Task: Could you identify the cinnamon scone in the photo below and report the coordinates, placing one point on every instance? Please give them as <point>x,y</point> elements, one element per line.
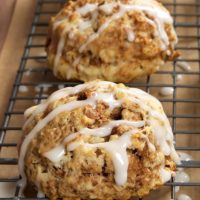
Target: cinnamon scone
<point>97,140</point>
<point>115,40</point>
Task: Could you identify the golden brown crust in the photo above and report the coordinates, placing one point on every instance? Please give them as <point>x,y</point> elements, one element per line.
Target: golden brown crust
<point>111,56</point>
<point>88,173</point>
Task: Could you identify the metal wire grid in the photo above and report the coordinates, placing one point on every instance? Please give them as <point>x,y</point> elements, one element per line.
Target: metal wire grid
<point>34,74</point>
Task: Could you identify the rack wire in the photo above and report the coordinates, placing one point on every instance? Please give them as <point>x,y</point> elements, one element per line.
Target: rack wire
<point>34,81</point>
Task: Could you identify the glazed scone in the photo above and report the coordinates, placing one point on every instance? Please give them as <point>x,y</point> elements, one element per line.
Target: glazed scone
<point>110,40</point>
<point>98,140</point>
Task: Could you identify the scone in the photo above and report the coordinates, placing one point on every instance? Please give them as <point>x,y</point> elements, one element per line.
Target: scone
<point>114,40</point>
<point>98,140</point>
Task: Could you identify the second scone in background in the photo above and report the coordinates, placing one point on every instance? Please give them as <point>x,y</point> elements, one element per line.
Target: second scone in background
<point>111,40</point>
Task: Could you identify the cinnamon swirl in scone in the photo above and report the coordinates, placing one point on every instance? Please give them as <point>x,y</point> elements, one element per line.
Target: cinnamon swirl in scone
<point>98,140</point>
<point>115,40</point>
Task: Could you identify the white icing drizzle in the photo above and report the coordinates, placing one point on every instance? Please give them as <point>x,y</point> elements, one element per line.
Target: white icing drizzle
<point>177,189</point>
<point>73,105</point>
<point>165,174</point>
<point>61,94</point>
<point>100,30</point>
<point>166,91</point>
<point>117,150</point>
<point>63,108</point>
<point>40,193</point>
<point>37,98</point>
<point>87,8</point>
<point>21,183</point>
<point>58,23</point>
<point>156,34</point>
<point>27,73</point>
<point>109,99</point>
<point>184,156</point>
<point>183,197</point>
<point>84,25</point>
<point>179,77</point>
<point>45,87</point>
<point>160,17</point>
<point>183,65</point>
<point>23,88</point>
<point>42,124</point>
<point>71,35</point>
<point>56,154</point>
<point>106,130</point>
<point>157,120</point>
<point>162,131</point>
<point>182,177</point>
<point>60,47</point>
<point>168,52</point>
<point>74,145</point>
<point>107,8</point>
<point>29,111</point>
<point>149,144</point>
<point>130,35</point>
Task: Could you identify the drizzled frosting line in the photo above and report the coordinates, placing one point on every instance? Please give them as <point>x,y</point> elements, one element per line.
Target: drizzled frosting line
<point>156,119</point>
<point>157,17</point>
<point>63,108</point>
<point>55,154</point>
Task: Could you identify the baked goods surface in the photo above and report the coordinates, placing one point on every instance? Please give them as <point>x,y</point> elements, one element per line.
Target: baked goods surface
<point>97,140</point>
<point>110,40</point>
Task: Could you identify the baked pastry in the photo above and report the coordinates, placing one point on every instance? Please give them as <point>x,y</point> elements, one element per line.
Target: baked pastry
<point>98,140</point>
<point>110,40</point>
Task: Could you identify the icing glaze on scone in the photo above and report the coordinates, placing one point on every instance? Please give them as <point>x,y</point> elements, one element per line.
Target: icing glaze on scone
<point>150,116</point>
<point>111,40</point>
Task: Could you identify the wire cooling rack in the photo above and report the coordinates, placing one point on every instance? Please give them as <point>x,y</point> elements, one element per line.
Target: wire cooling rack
<point>34,81</point>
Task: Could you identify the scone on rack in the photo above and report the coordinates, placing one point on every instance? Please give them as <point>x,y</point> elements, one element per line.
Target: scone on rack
<point>115,40</point>
<point>97,140</point>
